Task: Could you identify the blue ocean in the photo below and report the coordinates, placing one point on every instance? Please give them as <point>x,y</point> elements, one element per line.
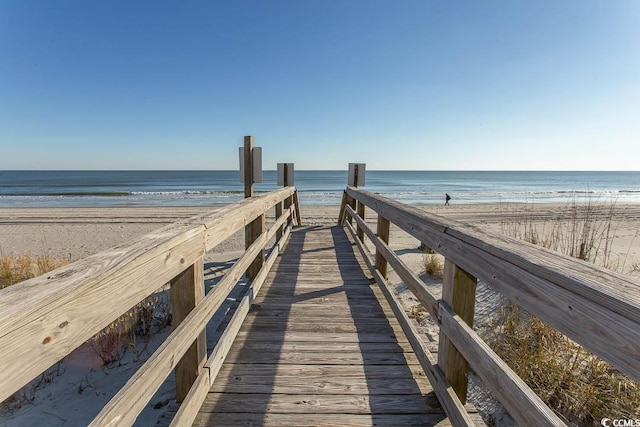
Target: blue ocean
<point>201,188</point>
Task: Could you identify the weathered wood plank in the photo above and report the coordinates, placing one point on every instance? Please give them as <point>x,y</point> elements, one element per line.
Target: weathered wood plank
<point>325,420</point>
<point>301,370</point>
<point>321,404</point>
<point>336,324</point>
<point>328,347</point>
<point>322,337</point>
<point>312,312</point>
<point>316,358</point>
<point>319,385</point>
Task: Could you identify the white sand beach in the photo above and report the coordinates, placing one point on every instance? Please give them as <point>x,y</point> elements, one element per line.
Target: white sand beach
<point>75,233</point>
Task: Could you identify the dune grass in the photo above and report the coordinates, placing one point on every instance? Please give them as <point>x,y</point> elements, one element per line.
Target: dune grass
<point>17,268</point>
<point>433,265</point>
<point>579,386</point>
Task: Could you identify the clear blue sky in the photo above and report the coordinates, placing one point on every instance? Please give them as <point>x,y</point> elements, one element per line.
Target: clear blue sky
<point>549,85</point>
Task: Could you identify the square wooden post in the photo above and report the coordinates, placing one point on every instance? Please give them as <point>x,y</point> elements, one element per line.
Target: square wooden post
<point>383,234</point>
<point>343,206</point>
<point>280,229</point>
<point>351,202</point>
<point>361,215</point>
<point>296,202</point>
<point>285,204</point>
<point>187,289</point>
<point>257,226</point>
<point>459,292</point>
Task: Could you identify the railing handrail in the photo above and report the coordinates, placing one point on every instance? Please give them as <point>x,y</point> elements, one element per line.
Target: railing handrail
<point>596,308</point>
<point>44,319</point>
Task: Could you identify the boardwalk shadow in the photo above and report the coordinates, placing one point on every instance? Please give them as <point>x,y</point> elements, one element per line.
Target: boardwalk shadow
<point>249,374</point>
<point>317,348</point>
<point>395,397</point>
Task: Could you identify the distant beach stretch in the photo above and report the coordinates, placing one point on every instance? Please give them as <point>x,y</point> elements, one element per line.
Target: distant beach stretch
<point>206,188</point>
<point>79,232</point>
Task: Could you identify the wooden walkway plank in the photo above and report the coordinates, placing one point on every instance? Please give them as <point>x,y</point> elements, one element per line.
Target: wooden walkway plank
<point>320,346</point>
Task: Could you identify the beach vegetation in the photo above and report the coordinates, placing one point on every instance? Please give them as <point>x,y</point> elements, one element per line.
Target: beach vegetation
<point>433,265</point>
<point>576,384</point>
<point>18,268</point>
<point>132,331</point>
<point>581,230</point>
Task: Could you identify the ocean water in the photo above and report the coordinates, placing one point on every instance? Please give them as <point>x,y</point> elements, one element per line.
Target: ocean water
<point>201,188</point>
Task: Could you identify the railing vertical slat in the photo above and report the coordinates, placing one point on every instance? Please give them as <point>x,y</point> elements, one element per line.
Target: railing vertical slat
<point>298,213</point>
<point>383,234</point>
<point>351,202</point>
<point>187,289</point>
<point>256,227</point>
<point>361,215</point>
<point>343,205</point>
<point>459,292</point>
<point>278,215</point>
<point>254,230</point>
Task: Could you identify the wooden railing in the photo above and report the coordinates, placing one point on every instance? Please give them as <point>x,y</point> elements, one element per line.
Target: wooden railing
<point>43,319</point>
<point>592,306</point>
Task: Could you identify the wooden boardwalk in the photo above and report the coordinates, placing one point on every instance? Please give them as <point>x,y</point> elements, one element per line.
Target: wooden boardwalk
<point>321,347</point>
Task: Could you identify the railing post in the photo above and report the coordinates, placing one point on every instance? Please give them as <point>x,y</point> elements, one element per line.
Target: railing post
<point>256,227</point>
<point>361,215</point>
<point>285,178</point>
<point>351,202</point>
<point>383,234</point>
<point>296,202</point>
<point>280,230</point>
<point>343,206</point>
<point>459,292</point>
<point>355,178</point>
<point>187,289</point>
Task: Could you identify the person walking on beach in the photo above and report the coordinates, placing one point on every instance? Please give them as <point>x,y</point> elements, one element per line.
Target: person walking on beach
<point>447,197</point>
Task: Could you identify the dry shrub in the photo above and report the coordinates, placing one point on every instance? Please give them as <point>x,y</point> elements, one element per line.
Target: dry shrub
<point>133,330</point>
<point>418,312</point>
<point>17,268</point>
<point>582,230</point>
<point>575,383</point>
<point>433,265</point>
